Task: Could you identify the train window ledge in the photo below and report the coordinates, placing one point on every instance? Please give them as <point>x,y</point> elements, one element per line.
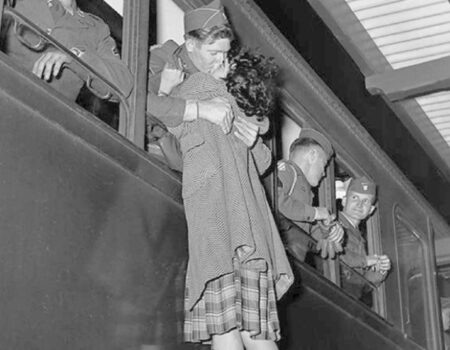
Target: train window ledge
<point>95,83</point>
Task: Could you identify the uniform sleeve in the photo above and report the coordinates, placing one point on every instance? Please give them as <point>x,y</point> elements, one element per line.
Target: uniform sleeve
<point>106,60</point>
<point>262,156</point>
<point>293,208</point>
<point>169,110</point>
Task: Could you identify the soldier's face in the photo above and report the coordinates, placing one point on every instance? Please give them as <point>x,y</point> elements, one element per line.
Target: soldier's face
<point>208,57</point>
<point>318,160</point>
<point>358,206</point>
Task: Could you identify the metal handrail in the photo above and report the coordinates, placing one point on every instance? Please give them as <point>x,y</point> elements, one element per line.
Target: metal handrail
<point>21,23</point>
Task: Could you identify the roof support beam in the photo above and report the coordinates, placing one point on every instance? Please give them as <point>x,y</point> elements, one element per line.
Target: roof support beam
<point>421,79</point>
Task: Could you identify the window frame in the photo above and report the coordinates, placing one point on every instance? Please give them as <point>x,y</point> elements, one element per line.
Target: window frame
<point>327,197</point>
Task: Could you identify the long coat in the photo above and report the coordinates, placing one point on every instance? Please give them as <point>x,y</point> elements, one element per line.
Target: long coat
<point>225,202</point>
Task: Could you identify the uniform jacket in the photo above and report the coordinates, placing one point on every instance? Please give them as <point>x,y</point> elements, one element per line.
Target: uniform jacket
<point>297,213</point>
<point>355,256</point>
<point>83,33</point>
<point>225,202</point>
<point>294,195</point>
<point>170,110</point>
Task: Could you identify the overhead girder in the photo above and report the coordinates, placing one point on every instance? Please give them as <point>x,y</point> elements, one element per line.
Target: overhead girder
<point>413,81</point>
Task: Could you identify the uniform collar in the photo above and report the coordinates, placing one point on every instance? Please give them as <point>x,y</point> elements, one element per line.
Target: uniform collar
<point>347,223</point>
<point>346,220</point>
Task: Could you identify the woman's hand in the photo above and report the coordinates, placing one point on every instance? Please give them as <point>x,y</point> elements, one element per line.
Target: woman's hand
<point>245,131</point>
<point>170,77</point>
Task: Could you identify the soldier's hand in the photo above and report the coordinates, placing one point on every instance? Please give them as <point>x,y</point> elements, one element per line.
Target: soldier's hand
<point>384,264</point>
<point>336,233</point>
<point>50,64</point>
<point>170,77</point>
<point>328,248</point>
<point>245,131</point>
<point>322,213</point>
<point>371,261</point>
<point>218,111</point>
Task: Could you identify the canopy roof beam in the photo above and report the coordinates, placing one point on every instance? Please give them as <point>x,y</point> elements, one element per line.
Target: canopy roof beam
<point>421,79</point>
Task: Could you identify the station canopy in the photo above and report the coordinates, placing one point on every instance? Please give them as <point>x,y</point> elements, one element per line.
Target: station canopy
<point>403,49</point>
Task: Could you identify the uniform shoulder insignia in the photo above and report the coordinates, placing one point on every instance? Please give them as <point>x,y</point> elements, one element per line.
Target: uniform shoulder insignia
<point>91,15</point>
<point>115,51</point>
<point>281,165</point>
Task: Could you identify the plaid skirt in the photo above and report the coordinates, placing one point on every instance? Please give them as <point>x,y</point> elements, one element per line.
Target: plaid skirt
<point>244,300</point>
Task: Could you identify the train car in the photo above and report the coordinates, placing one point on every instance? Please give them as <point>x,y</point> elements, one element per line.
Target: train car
<point>94,243</point>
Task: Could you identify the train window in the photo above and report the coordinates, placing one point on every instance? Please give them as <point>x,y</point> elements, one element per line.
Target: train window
<point>298,241</point>
<point>26,43</point>
<point>361,283</point>
<point>444,294</point>
<point>413,286</point>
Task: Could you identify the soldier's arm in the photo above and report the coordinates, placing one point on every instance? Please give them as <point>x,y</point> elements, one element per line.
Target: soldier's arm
<point>293,208</point>
<point>169,110</point>
<point>105,60</point>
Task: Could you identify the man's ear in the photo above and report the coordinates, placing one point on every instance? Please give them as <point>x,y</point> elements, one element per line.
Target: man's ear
<point>190,44</point>
<point>372,209</point>
<point>344,201</point>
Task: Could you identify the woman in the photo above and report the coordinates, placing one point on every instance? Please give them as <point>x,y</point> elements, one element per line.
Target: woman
<point>237,264</point>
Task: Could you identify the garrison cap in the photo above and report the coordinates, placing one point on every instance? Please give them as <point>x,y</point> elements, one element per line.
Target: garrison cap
<point>205,17</point>
<point>362,185</point>
<point>319,138</point>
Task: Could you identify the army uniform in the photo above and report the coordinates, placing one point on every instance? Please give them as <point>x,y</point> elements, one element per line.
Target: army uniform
<point>296,211</point>
<point>84,34</point>
<point>170,110</point>
<point>355,256</point>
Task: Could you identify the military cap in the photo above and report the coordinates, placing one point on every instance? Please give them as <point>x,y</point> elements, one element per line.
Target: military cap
<point>205,17</point>
<point>362,185</point>
<point>319,138</point>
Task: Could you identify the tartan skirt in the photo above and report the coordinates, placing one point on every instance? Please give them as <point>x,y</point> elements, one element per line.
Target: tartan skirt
<point>244,300</point>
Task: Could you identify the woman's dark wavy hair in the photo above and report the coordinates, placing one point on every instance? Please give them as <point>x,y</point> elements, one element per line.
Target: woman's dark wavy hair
<point>253,82</point>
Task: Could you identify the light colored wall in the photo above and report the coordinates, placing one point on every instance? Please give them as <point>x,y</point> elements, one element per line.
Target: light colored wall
<point>169,22</point>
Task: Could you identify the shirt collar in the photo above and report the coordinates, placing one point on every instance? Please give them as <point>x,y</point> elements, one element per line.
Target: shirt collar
<point>348,220</point>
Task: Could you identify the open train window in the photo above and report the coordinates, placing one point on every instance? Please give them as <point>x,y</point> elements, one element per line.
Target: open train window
<point>412,271</point>
<point>361,283</point>
<point>444,295</point>
<point>21,37</point>
<point>289,129</point>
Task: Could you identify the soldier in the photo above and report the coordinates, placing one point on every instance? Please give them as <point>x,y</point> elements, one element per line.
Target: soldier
<point>358,205</point>
<point>193,56</point>
<point>84,34</point>
<point>208,38</point>
<point>308,159</point>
